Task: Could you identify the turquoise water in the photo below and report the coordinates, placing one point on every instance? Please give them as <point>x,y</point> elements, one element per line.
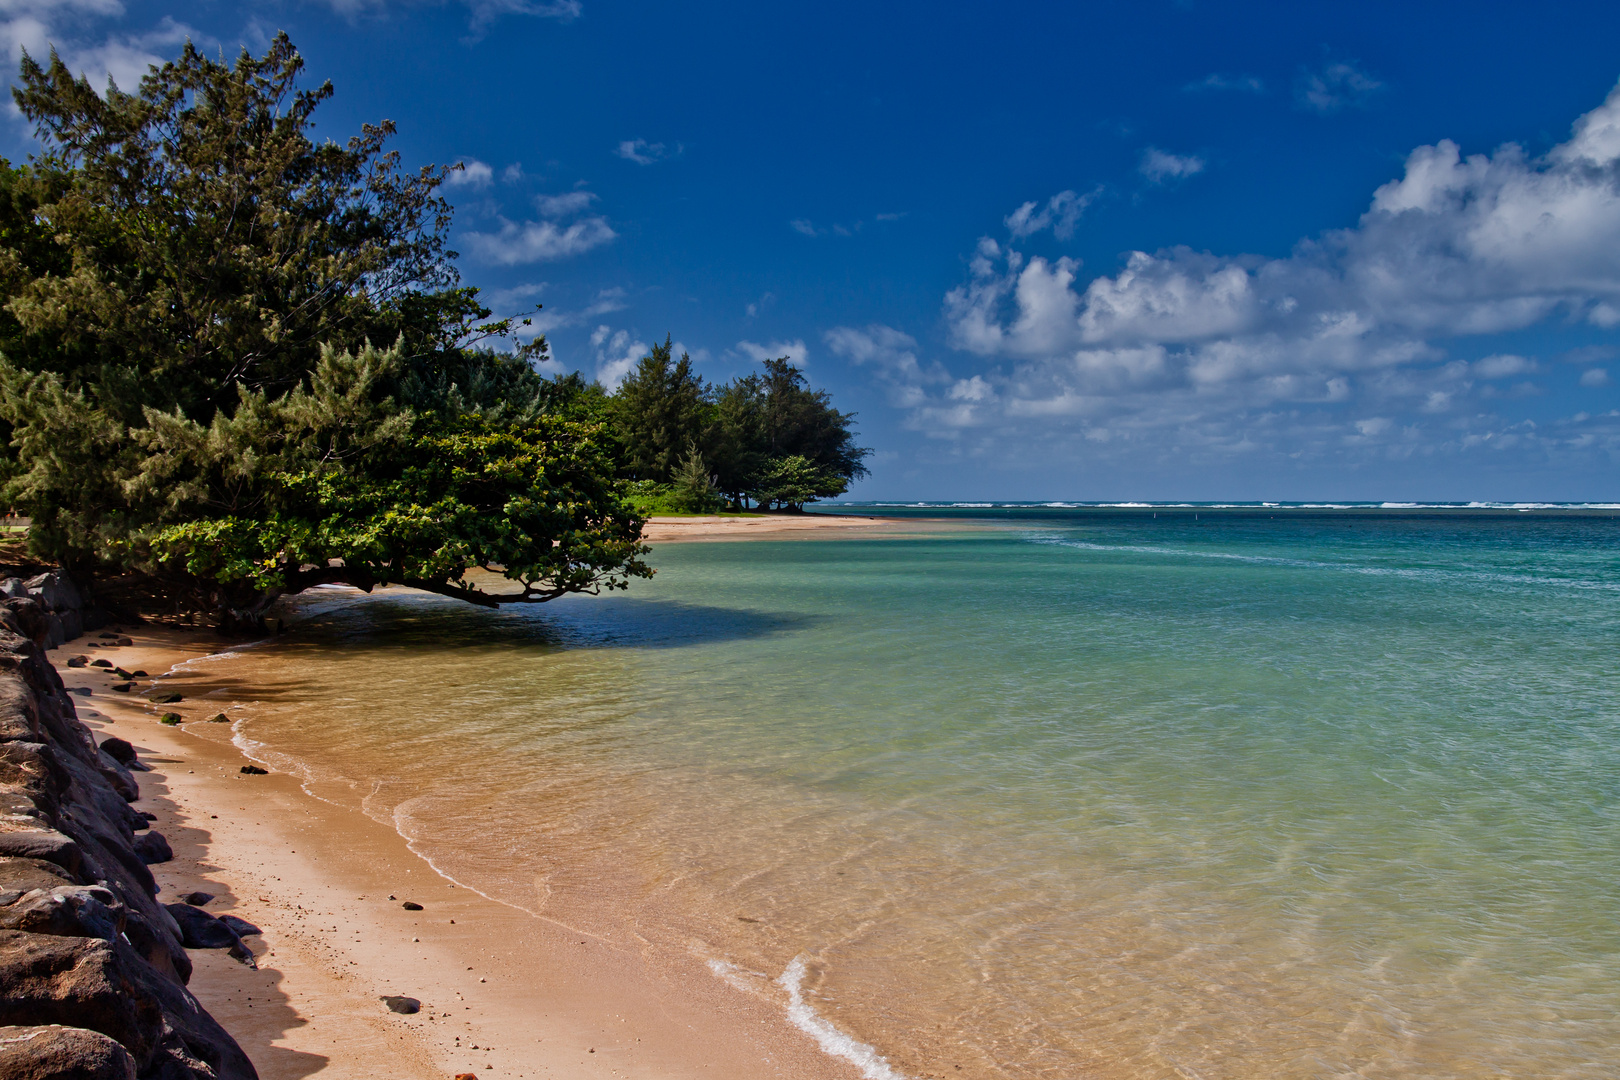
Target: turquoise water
<point>1083,793</point>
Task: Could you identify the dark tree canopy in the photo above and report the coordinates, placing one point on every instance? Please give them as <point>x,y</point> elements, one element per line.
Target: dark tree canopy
<point>765,436</point>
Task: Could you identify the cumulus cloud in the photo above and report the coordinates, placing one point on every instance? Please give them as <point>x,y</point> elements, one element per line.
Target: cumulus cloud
<point>1238,352</point>
<point>794,350</point>
<point>616,354</point>
<point>516,243</point>
<point>472,174</point>
<point>37,26</point>
<point>1161,167</point>
<point>565,205</point>
<point>1595,377</point>
<point>1247,84</point>
<point>1334,87</point>
<point>643,152</point>
<point>1060,214</point>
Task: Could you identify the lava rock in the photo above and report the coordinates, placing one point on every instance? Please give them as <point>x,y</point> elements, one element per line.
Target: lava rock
<point>219,718</point>
<point>401,1004</point>
<point>201,930</point>
<point>197,899</point>
<point>153,848</point>
<point>165,699</point>
<point>410,905</point>
<point>119,750</point>
<point>82,981</point>
<point>53,1052</point>
<point>46,844</point>
<point>125,641</point>
<point>123,687</point>
<point>170,718</point>
<point>78,661</point>
<point>101,662</point>
<point>254,770</point>
<point>66,911</point>
<point>241,926</point>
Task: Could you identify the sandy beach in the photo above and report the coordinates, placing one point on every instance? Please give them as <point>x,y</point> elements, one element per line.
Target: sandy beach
<point>817,526</point>
<point>502,992</point>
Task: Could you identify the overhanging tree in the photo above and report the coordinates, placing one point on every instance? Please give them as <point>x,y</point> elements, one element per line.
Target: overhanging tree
<point>173,265</point>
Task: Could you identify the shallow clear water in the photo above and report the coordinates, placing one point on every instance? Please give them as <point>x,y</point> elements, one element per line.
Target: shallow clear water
<point>1090,793</point>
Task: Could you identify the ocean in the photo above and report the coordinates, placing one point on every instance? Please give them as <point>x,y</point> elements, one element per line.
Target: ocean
<point>1071,791</point>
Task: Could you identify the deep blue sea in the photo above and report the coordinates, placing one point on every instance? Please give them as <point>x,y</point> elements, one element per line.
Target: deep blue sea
<point>1045,791</point>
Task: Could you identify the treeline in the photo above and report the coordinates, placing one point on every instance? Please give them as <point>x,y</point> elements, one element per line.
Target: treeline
<point>690,446</point>
<point>242,363</point>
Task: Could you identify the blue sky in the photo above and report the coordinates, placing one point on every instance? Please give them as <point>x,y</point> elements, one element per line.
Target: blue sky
<point>1091,251</point>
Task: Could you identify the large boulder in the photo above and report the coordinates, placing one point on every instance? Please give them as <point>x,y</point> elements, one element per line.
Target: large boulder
<point>53,1052</point>
<point>81,982</point>
<point>55,591</point>
<point>153,848</point>
<point>66,911</point>
<point>46,844</point>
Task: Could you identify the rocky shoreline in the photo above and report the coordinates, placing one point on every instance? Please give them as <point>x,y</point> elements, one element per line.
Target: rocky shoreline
<point>93,968</point>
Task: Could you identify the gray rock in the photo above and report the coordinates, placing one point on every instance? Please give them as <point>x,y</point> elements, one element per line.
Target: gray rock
<point>55,591</point>
<point>53,1052</point>
<point>13,588</point>
<point>153,848</point>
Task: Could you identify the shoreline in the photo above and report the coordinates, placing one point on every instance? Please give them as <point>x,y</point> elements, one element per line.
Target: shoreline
<point>503,992</point>
<point>809,526</point>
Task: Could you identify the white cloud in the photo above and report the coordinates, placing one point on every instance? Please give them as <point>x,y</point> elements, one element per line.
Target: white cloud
<point>1161,167</point>
<point>481,13</point>
<point>566,205</point>
<point>472,174</point>
<point>1501,366</point>
<point>1060,214</point>
<point>1336,86</point>
<point>794,350</point>
<point>606,302</point>
<point>39,25</point>
<point>1595,377</point>
<point>538,241</point>
<point>1247,84</point>
<point>801,225</point>
<point>642,152</point>
<point>616,354</point>
<point>1231,352</point>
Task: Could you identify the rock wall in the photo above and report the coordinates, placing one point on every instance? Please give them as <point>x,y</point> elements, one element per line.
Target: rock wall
<point>92,968</point>
<point>67,613</point>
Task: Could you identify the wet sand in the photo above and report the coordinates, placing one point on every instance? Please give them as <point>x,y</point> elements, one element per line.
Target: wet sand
<point>503,993</point>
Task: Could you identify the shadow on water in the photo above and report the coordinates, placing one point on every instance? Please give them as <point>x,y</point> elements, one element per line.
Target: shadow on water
<point>333,619</point>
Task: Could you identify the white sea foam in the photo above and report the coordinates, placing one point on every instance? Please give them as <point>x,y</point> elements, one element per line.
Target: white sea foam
<point>832,1041</point>
<point>829,1038</point>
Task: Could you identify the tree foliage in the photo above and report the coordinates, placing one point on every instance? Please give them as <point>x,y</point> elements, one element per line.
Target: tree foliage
<point>765,436</point>
<point>190,286</point>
